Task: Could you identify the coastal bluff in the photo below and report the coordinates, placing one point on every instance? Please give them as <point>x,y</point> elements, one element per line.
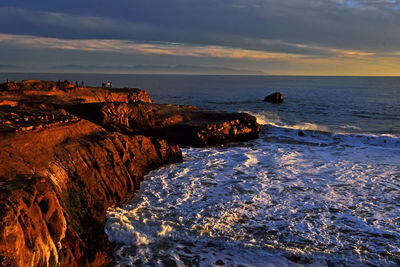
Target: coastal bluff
<point>185,126</point>
<point>68,153</point>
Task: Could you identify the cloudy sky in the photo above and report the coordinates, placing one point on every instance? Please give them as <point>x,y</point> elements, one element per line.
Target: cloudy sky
<point>290,37</point>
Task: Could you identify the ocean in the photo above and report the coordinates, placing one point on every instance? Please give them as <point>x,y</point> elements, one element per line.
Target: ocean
<point>319,187</point>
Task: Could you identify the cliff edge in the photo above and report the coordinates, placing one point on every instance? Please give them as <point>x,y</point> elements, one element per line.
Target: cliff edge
<point>68,153</point>
<point>56,184</point>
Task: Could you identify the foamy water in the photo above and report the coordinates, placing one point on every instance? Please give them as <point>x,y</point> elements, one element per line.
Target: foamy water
<point>285,199</point>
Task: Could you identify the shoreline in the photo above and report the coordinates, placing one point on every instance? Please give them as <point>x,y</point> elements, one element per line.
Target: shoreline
<point>64,171</point>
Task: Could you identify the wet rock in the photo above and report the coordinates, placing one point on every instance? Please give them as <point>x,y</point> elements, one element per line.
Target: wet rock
<point>274,98</point>
<point>301,133</point>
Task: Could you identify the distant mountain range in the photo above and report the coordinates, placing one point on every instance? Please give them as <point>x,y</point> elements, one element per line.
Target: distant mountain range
<point>140,69</point>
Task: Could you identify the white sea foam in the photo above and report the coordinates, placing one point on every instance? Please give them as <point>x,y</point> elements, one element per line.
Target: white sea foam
<point>283,199</point>
<point>310,127</point>
<point>368,141</point>
<point>266,117</point>
<point>352,127</point>
<point>271,118</point>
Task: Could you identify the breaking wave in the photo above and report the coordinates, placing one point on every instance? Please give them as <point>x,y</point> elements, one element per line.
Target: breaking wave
<point>285,199</point>
<point>321,135</point>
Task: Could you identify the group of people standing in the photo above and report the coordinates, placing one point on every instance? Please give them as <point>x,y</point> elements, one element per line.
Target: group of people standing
<point>103,85</point>
<point>82,84</point>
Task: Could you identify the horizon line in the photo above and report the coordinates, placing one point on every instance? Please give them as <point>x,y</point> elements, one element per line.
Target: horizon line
<point>201,74</point>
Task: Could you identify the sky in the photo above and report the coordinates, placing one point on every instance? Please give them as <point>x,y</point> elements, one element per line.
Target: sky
<point>260,37</point>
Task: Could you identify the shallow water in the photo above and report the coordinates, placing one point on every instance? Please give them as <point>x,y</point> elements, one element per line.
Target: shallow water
<point>283,199</point>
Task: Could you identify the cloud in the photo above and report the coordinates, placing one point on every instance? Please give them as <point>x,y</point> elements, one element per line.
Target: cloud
<point>341,24</point>
<point>174,69</point>
<point>122,46</point>
<point>297,36</point>
<point>171,49</point>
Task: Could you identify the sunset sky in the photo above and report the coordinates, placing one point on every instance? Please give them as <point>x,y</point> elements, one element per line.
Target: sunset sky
<point>276,37</point>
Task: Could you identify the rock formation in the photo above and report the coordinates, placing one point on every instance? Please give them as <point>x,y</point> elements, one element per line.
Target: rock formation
<point>274,98</point>
<point>181,125</point>
<point>61,169</point>
<point>64,92</point>
<point>56,183</point>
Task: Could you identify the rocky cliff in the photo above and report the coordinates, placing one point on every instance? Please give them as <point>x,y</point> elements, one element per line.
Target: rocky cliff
<point>35,91</point>
<point>182,125</point>
<point>56,184</point>
<point>60,169</point>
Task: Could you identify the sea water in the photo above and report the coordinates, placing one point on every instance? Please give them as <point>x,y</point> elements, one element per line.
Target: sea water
<point>320,187</point>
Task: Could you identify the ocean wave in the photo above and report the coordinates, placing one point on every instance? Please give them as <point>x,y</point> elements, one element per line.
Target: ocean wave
<point>352,127</point>
<point>320,138</point>
<point>264,203</point>
<point>266,117</point>
<point>312,133</point>
<point>272,118</point>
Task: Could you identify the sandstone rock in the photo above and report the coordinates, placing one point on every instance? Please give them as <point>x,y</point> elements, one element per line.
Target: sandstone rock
<point>58,183</point>
<point>60,172</point>
<point>23,118</point>
<point>8,103</point>
<point>27,235</point>
<point>181,125</point>
<point>274,98</point>
<point>37,91</point>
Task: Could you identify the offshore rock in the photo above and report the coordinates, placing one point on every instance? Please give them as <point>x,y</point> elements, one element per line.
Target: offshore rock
<point>274,98</point>
<point>186,126</point>
<point>56,183</point>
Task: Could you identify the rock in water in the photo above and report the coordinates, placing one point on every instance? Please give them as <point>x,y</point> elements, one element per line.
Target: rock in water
<point>274,98</point>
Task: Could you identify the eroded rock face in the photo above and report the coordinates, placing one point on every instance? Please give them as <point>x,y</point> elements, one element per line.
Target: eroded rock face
<point>33,224</point>
<point>58,183</point>
<point>181,125</point>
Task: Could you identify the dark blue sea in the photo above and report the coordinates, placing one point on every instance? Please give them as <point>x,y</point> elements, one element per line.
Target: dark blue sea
<point>320,187</point>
